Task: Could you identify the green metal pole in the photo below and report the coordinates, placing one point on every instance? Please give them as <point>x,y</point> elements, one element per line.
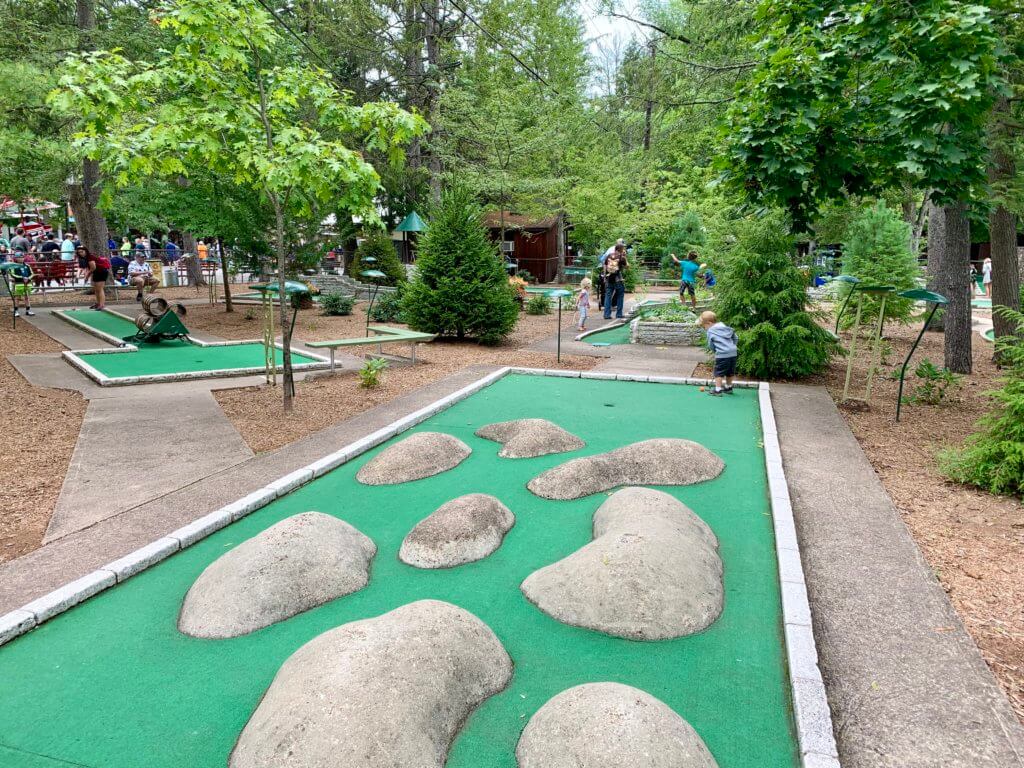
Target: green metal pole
<point>559,355</point>
<point>876,353</point>
<point>903,370</point>
<point>370,308</point>
<point>853,349</point>
<point>843,309</point>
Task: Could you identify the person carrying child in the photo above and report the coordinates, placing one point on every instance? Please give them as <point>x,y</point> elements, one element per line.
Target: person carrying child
<point>583,303</point>
<point>722,341</point>
<point>21,282</point>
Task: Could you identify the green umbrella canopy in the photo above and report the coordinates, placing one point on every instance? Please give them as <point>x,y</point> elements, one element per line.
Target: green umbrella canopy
<point>291,287</point>
<point>411,223</point>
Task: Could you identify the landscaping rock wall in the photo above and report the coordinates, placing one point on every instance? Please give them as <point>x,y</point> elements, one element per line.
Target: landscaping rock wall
<point>329,283</point>
<point>667,334</point>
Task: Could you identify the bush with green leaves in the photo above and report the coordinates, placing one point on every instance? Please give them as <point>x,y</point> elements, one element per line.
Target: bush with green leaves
<point>993,459</point>
<point>538,304</point>
<point>876,250</point>
<point>379,246</point>
<point>935,384</point>
<point>687,235</point>
<point>387,308</point>
<point>460,288</point>
<point>672,312</point>
<point>370,372</point>
<point>762,295</point>
<point>336,303</point>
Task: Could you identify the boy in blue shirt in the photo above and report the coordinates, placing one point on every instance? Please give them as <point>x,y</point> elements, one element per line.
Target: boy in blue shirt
<point>688,278</point>
<point>722,341</point>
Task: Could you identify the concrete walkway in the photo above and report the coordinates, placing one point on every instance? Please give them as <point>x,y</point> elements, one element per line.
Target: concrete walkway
<point>907,685</point>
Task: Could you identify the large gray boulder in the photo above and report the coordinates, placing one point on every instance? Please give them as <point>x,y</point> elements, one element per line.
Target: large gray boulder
<point>299,563</point>
<point>461,531</point>
<point>526,438</point>
<point>652,572</point>
<point>388,692</point>
<point>662,461</point>
<point>608,725</point>
<point>420,455</point>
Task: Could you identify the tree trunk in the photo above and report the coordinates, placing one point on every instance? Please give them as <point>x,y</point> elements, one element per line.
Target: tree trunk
<point>1002,224</point>
<point>84,194</point>
<point>224,271</point>
<point>286,331</point>
<point>936,252</point>
<point>432,92</point>
<point>954,282</point>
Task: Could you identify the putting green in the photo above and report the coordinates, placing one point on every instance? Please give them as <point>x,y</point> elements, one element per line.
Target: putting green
<point>178,356</point>
<point>617,335</point>
<point>113,684</point>
<point>981,303</point>
<point>990,335</point>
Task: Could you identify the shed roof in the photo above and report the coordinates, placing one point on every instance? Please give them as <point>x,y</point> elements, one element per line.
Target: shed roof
<point>492,220</point>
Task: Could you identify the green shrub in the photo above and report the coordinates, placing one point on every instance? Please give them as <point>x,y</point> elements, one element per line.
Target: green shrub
<point>993,459</point>
<point>524,274</point>
<point>687,235</point>
<point>538,304</point>
<point>460,288</point>
<point>762,295</point>
<point>673,312</point>
<point>936,384</point>
<point>387,308</point>
<point>380,247</point>
<point>369,374</point>
<point>336,303</point>
<point>876,250</point>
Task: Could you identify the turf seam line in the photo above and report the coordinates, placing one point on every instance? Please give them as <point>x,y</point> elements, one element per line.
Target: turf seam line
<point>31,615</point>
<point>814,727</point>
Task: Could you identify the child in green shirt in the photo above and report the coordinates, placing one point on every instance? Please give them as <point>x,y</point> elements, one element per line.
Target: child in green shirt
<point>21,275</point>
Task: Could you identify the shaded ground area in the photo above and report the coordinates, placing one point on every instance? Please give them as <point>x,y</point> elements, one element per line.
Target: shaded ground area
<point>40,430</point>
<point>141,688</point>
<point>324,400</point>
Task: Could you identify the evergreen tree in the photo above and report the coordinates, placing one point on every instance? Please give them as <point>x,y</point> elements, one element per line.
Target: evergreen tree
<point>876,250</point>
<point>379,246</point>
<point>762,294</point>
<point>460,288</point>
<point>687,235</point>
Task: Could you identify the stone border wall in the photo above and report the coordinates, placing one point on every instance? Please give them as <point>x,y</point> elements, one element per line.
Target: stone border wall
<point>668,334</point>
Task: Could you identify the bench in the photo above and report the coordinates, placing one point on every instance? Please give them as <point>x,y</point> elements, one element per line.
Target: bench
<point>383,334</point>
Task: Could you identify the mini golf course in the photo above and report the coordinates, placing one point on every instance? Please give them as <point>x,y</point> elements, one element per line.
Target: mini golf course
<point>613,336</point>
<point>169,358</point>
<point>113,683</point>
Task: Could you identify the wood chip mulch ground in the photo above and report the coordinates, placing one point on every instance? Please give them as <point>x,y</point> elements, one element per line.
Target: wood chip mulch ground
<point>326,400</point>
<point>41,428</point>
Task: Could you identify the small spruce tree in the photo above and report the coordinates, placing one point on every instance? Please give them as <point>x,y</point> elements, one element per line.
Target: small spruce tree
<point>876,250</point>
<point>762,295</point>
<point>460,288</point>
<point>379,246</point>
<point>687,235</point>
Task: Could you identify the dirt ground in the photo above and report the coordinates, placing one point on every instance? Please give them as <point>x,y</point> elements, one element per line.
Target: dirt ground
<point>327,400</point>
<point>40,430</point>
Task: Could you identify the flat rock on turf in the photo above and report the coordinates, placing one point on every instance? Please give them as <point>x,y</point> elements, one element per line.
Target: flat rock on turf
<point>460,531</point>
<point>386,692</point>
<point>301,562</point>
<point>420,455</point>
<point>652,572</point>
<point>526,438</point>
<point>609,725</point>
<point>662,461</point>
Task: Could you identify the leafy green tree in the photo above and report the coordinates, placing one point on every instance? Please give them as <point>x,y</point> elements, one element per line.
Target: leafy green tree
<point>762,294</point>
<point>460,288</point>
<point>222,99</point>
<point>687,235</point>
<point>381,248</point>
<point>876,251</point>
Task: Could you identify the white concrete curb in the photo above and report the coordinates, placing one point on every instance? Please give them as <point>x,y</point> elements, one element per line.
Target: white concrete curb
<point>810,704</point>
<point>813,717</point>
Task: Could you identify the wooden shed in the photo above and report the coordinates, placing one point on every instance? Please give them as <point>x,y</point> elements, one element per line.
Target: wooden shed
<point>537,244</point>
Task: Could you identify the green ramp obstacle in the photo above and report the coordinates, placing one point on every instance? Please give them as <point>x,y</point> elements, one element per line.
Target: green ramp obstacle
<point>113,684</point>
<point>613,336</point>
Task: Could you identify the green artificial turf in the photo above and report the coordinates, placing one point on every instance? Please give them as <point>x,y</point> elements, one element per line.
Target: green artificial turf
<point>113,684</point>
<point>617,335</point>
<point>981,303</point>
<point>178,356</point>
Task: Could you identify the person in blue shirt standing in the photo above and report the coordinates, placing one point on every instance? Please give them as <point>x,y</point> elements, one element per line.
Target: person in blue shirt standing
<point>688,279</point>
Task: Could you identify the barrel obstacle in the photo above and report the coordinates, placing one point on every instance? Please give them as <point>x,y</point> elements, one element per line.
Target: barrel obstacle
<point>159,322</point>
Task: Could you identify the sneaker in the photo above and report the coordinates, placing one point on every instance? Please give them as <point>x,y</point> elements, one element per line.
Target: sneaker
<point>29,312</point>
<point>715,392</point>
<point>138,297</point>
<point>17,313</point>
<point>728,390</point>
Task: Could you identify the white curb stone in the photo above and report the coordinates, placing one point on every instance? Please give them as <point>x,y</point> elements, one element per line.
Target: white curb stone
<point>15,623</point>
<point>189,534</point>
<point>69,595</point>
<point>814,717</point>
<point>290,482</point>
<point>143,557</point>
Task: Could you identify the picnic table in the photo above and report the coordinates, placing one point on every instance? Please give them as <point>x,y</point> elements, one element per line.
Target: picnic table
<point>383,334</point>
